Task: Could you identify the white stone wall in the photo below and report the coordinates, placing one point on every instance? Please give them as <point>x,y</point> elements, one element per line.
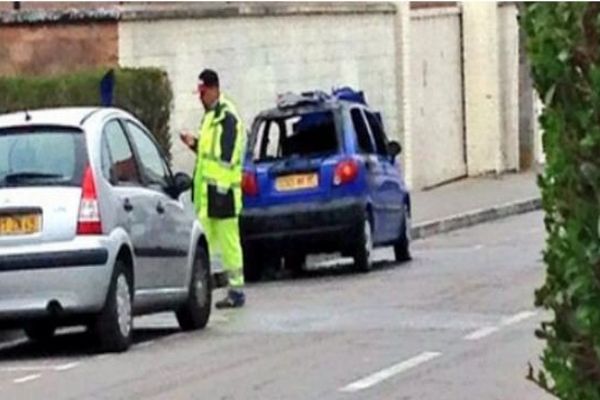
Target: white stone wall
<point>258,57</point>
<point>403,96</point>
<point>455,113</point>
<point>482,88</point>
<point>436,96</point>
<point>508,34</point>
<point>491,70</point>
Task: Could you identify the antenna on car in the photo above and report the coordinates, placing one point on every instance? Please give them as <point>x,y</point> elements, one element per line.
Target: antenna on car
<point>27,116</point>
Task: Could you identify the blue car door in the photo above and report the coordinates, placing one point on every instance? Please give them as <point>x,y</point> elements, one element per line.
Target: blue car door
<point>390,191</point>
<point>375,172</point>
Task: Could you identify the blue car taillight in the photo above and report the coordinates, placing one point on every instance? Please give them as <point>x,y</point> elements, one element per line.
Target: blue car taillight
<point>346,171</point>
<point>250,183</point>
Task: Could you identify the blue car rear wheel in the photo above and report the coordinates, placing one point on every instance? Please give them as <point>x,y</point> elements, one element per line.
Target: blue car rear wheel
<point>402,246</point>
<point>363,250</point>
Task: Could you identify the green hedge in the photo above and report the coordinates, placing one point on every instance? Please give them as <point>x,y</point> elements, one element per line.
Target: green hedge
<point>144,92</point>
<point>563,46</point>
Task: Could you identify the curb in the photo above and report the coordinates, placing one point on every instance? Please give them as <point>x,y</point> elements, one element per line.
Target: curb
<point>459,221</point>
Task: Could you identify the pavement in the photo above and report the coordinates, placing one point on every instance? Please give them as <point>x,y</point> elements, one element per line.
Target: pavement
<point>455,323</point>
<point>472,201</point>
<point>460,204</point>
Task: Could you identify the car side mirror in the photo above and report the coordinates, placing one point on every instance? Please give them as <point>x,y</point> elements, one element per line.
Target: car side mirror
<point>394,149</point>
<point>181,183</point>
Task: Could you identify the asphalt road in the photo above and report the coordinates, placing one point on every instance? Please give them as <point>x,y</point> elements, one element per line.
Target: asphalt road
<point>455,323</point>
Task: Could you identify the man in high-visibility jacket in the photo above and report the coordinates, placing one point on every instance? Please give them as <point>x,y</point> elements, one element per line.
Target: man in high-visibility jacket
<point>217,181</point>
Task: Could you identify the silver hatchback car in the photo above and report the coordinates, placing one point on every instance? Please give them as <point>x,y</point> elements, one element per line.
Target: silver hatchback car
<point>94,227</point>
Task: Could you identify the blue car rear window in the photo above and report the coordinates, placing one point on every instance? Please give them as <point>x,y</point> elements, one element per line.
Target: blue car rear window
<point>304,135</point>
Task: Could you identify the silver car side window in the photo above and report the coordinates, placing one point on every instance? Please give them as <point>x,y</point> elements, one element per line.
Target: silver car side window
<point>151,160</point>
<point>123,167</point>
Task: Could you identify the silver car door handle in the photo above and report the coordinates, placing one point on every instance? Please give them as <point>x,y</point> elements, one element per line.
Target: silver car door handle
<point>127,205</point>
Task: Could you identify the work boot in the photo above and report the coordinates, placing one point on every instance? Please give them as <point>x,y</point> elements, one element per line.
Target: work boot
<point>234,299</point>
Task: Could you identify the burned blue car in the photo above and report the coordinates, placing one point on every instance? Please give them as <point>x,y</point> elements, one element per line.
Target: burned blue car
<point>321,176</point>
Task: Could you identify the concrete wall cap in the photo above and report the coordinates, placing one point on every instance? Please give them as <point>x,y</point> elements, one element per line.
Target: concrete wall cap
<point>257,10</point>
<point>58,16</point>
<point>190,11</point>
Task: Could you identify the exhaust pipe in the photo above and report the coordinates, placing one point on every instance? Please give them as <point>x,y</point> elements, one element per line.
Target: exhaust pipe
<point>54,308</point>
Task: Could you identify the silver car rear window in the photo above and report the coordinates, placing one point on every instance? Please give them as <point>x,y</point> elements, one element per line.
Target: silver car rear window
<point>41,156</point>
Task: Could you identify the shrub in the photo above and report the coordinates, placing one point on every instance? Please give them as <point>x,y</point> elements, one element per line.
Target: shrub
<point>563,46</point>
<point>144,92</point>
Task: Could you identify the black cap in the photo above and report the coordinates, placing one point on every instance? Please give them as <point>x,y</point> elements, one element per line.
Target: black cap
<point>209,78</point>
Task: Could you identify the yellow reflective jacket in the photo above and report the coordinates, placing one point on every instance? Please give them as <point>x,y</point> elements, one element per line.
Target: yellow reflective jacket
<point>218,173</point>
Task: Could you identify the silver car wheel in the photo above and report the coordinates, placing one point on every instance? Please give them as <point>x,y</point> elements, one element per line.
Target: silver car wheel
<point>123,305</point>
<point>201,289</point>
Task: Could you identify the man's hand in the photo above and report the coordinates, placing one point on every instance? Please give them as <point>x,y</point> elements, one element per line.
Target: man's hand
<point>188,139</point>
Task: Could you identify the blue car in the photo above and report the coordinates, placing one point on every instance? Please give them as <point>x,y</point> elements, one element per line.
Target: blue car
<point>320,176</point>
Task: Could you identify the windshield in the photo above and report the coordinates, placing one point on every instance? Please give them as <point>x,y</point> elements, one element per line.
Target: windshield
<point>41,156</point>
<point>310,134</point>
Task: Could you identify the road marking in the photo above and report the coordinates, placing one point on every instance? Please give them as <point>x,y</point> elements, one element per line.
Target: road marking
<point>23,369</point>
<point>219,318</point>
<point>66,367</point>
<point>13,343</point>
<point>33,368</point>
<point>481,333</point>
<point>145,344</point>
<point>518,318</point>
<point>488,330</point>
<point>387,373</point>
<point>27,378</point>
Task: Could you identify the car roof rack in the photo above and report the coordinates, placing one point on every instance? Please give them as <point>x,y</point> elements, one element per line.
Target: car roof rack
<point>289,99</point>
<point>349,94</point>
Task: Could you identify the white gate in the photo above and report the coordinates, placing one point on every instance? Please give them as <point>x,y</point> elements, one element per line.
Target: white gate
<point>436,95</point>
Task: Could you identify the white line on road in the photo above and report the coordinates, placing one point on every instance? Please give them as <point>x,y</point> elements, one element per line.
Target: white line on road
<point>387,373</point>
<point>25,369</point>
<point>488,330</point>
<point>145,344</point>
<point>66,367</point>
<point>27,378</point>
<point>13,343</point>
<point>481,333</point>
<point>518,318</point>
<point>33,368</point>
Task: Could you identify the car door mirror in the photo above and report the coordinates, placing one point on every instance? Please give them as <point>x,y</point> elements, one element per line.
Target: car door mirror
<point>181,183</point>
<point>394,149</point>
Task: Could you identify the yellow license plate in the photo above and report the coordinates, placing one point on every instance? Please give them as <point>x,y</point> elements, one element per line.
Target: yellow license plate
<point>296,182</point>
<point>24,224</point>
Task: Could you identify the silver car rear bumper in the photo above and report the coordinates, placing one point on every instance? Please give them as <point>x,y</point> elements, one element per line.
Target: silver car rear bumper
<point>67,278</point>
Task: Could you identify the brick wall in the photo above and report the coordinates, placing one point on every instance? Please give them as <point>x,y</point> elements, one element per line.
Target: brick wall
<point>53,48</point>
